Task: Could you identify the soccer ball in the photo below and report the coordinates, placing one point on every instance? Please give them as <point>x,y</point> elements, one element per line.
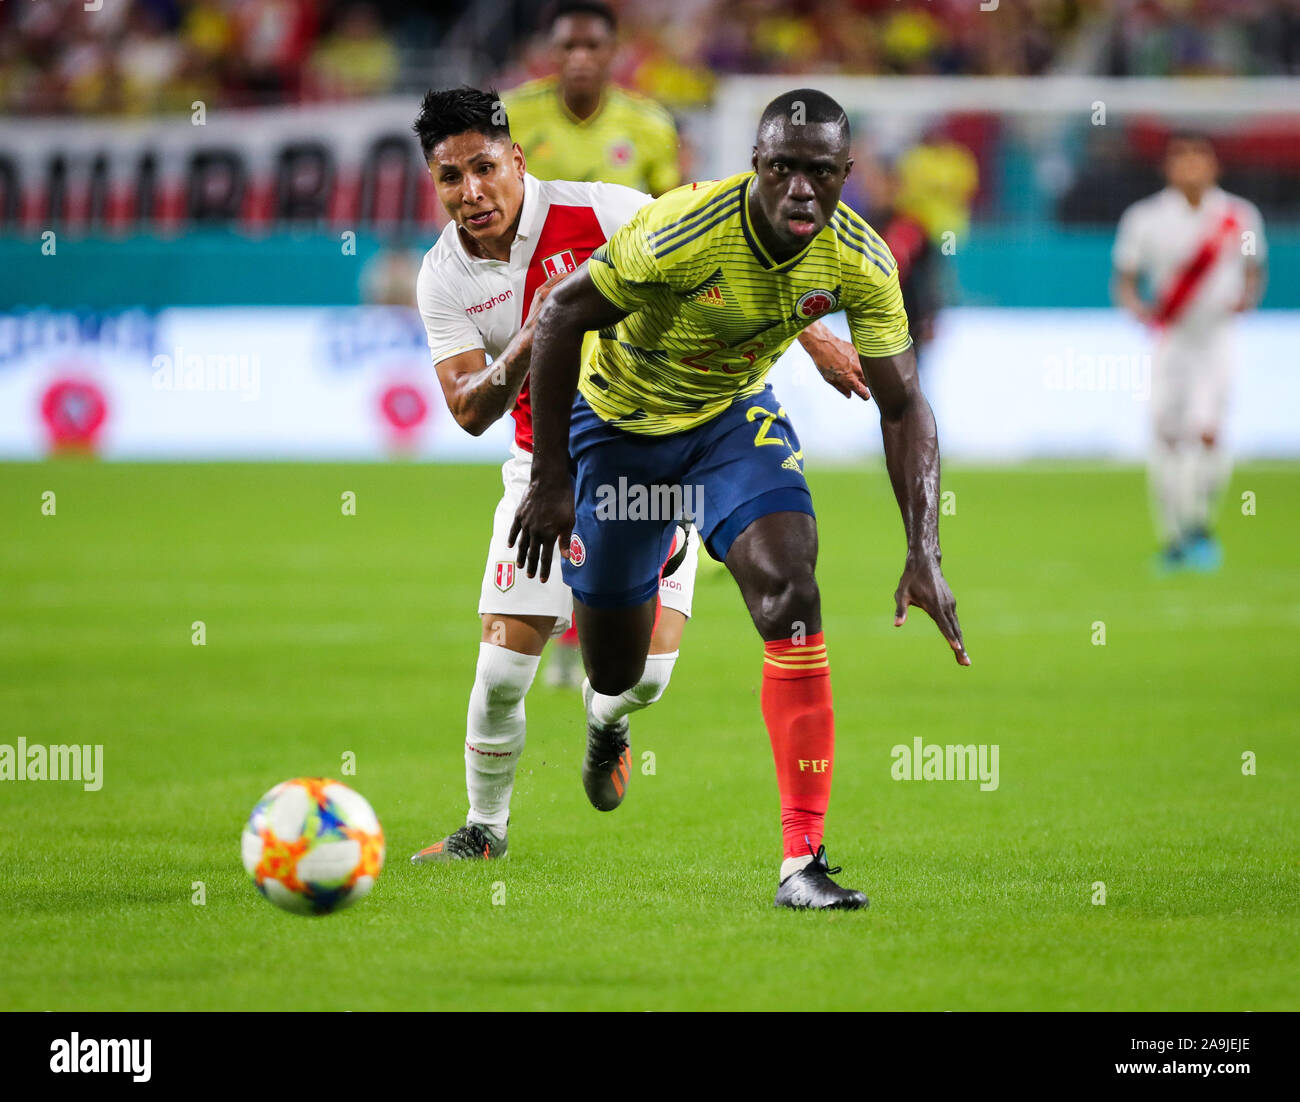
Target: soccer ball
<point>313,846</point>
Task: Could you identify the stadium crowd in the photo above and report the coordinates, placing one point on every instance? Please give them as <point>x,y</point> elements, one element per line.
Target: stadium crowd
<point>151,56</point>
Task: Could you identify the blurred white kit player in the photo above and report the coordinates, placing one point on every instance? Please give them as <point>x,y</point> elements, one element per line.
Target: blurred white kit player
<point>478,305</point>
<point>1201,252</point>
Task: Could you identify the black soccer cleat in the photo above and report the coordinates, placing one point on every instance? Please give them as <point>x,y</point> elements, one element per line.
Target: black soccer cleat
<point>811,888</point>
<point>608,761</point>
<point>468,843</point>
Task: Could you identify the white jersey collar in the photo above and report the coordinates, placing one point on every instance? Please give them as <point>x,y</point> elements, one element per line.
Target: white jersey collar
<point>1213,198</point>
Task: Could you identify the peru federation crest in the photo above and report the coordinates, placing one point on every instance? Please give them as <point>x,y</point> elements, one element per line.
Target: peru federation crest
<point>559,263</point>
<point>504,579</point>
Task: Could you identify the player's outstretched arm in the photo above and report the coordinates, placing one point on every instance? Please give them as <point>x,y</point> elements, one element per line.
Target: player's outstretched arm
<point>545,514</point>
<point>836,360</point>
<point>1124,292</point>
<point>912,456</point>
<point>478,393</point>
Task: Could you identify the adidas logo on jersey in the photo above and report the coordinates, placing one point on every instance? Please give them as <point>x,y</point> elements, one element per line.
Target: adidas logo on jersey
<point>709,293</point>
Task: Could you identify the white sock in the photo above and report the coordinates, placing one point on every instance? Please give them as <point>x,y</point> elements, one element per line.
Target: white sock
<point>1173,487</point>
<point>608,710</point>
<point>494,732</point>
<point>792,865</point>
<point>1212,468</point>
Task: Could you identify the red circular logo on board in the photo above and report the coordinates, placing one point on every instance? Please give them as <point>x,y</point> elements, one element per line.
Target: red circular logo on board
<point>577,550</point>
<point>404,407</point>
<point>74,411</point>
<point>813,304</point>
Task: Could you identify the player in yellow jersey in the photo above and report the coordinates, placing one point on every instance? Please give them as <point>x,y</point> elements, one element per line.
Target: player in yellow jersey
<point>577,125</point>
<point>692,302</point>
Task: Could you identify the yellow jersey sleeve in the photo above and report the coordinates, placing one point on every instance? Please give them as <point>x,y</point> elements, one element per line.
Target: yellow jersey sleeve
<point>872,299</point>
<point>624,269</point>
<point>877,320</point>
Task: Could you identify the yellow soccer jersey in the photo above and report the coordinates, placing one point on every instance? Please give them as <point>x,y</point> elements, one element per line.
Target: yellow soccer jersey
<point>630,140</point>
<point>713,311</point>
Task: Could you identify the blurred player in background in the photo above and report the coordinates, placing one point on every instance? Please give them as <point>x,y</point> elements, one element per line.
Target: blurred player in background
<point>1202,253</point>
<point>577,125</point>
<point>938,179</point>
<point>917,258</point>
<point>674,392</point>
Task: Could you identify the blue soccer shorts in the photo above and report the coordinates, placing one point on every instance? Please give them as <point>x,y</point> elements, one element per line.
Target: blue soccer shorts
<point>631,490</point>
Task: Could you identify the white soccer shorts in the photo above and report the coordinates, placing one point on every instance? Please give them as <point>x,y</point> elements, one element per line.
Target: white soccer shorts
<point>508,591</point>
<point>1191,380</point>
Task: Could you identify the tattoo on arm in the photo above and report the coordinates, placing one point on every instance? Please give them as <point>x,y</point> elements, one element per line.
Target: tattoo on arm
<point>478,393</point>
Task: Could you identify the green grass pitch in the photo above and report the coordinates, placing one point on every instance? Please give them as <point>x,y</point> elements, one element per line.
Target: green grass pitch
<point>328,634</point>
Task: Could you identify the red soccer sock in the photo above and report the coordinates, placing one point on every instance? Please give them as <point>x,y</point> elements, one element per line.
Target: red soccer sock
<point>801,724</point>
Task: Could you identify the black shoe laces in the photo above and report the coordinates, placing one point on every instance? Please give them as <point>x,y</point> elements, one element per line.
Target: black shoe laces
<point>468,839</point>
<point>819,859</point>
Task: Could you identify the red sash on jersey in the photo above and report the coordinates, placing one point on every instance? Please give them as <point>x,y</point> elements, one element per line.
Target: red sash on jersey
<point>1185,282</point>
<point>570,230</point>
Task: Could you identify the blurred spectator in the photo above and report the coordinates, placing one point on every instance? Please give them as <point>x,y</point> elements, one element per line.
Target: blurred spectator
<point>272,41</point>
<point>389,276</point>
<point>84,72</point>
<point>148,55</point>
<point>150,60</point>
<point>357,59</point>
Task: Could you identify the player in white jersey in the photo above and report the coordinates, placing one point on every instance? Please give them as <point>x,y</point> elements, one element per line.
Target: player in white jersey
<point>1201,252</point>
<point>511,238</point>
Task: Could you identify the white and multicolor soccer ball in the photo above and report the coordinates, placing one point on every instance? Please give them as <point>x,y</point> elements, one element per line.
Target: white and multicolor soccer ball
<point>313,846</point>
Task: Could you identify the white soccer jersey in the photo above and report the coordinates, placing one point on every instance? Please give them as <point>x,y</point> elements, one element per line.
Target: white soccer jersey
<point>1160,236</point>
<point>468,302</point>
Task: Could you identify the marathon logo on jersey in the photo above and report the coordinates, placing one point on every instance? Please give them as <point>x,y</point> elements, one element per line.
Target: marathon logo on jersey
<point>495,300</point>
<point>577,550</point>
<point>505,575</point>
<point>815,303</point>
<point>559,264</point>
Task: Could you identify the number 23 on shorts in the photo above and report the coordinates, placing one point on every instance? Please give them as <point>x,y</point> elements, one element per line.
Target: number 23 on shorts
<point>765,417</point>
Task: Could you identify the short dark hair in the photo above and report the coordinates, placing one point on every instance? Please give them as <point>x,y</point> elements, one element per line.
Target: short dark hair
<point>561,8</point>
<point>449,111</point>
<point>807,105</point>
<point>1191,135</point>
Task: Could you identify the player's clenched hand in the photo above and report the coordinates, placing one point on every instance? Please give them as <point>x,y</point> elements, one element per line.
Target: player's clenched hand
<point>836,361</point>
<point>544,516</point>
<point>923,585</point>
